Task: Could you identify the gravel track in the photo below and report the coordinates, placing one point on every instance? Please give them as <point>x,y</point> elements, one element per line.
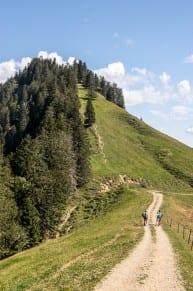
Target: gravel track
<point>151,266</point>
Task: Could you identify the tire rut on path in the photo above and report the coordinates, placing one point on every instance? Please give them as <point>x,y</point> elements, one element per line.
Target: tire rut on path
<point>151,266</point>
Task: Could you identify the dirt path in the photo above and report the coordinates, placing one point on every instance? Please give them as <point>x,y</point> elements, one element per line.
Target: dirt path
<point>151,266</point>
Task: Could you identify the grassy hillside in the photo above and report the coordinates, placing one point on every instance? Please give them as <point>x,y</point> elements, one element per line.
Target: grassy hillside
<point>123,144</point>
<point>120,145</point>
<point>79,260</point>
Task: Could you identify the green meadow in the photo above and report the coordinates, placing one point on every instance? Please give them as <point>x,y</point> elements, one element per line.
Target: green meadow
<point>79,260</point>
<point>103,227</point>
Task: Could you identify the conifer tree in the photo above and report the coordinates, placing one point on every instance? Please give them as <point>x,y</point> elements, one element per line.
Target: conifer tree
<point>89,114</point>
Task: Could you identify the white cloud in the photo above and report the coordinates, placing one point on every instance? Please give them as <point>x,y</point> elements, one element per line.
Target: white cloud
<point>164,78</point>
<point>148,94</point>
<point>143,74</point>
<point>113,70</point>
<point>116,72</point>
<point>51,56</point>
<point>180,112</point>
<point>24,63</point>
<point>189,59</point>
<point>8,69</point>
<point>55,56</point>
<point>181,109</point>
<point>139,86</point>
<point>177,112</point>
<point>71,60</point>
<point>132,97</point>
<point>184,87</point>
<point>139,71</point>
<point>190,130</point>
<point>160,114</point>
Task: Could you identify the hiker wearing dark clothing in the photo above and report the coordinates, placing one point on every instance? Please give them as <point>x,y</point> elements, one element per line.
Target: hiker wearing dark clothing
<point>158,218</point>
<point>145,217</point>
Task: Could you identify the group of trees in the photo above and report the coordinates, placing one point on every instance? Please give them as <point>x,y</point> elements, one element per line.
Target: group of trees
<point>98,84</point>
<point>44,147</point>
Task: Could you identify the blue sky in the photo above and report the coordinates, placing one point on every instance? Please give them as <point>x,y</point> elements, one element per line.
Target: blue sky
<point>145,46</point>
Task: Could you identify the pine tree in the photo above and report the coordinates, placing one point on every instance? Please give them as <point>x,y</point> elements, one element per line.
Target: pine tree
<point>89,114</point>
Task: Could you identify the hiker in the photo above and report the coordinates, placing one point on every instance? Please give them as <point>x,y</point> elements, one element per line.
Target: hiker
<point>145,217</point>
<point>158,218</point>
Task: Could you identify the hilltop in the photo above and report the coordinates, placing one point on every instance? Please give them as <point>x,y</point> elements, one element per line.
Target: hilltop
<point>122,144</point>
<point>73,160</point>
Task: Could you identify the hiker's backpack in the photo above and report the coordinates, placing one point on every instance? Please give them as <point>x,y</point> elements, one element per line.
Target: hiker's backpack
<point>144,214</point>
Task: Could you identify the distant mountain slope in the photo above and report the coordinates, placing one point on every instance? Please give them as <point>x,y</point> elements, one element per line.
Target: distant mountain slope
<point>123,144</point>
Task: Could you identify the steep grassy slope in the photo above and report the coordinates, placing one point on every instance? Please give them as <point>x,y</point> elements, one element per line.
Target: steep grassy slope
<point>123,144</point>
<point>120,144</point>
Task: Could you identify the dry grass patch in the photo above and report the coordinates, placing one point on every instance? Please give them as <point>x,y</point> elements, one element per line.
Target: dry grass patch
<point>179,207</point>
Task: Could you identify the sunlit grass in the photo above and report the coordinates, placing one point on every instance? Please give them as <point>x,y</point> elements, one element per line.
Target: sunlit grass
<point>131,147</point>
<point>102,243</point>
<point>120,144</point>
<point>179,208</point>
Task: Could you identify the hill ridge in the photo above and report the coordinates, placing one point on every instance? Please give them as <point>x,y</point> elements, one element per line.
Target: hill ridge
<point>134,148</point>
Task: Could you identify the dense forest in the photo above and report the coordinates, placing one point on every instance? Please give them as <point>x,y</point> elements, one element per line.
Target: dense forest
<point>44,147</point>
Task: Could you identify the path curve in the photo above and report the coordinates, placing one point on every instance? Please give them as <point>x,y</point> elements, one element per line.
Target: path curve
<point>151,266</point>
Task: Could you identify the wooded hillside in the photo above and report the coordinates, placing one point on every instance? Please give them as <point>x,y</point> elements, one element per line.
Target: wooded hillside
<point>44,147</point>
